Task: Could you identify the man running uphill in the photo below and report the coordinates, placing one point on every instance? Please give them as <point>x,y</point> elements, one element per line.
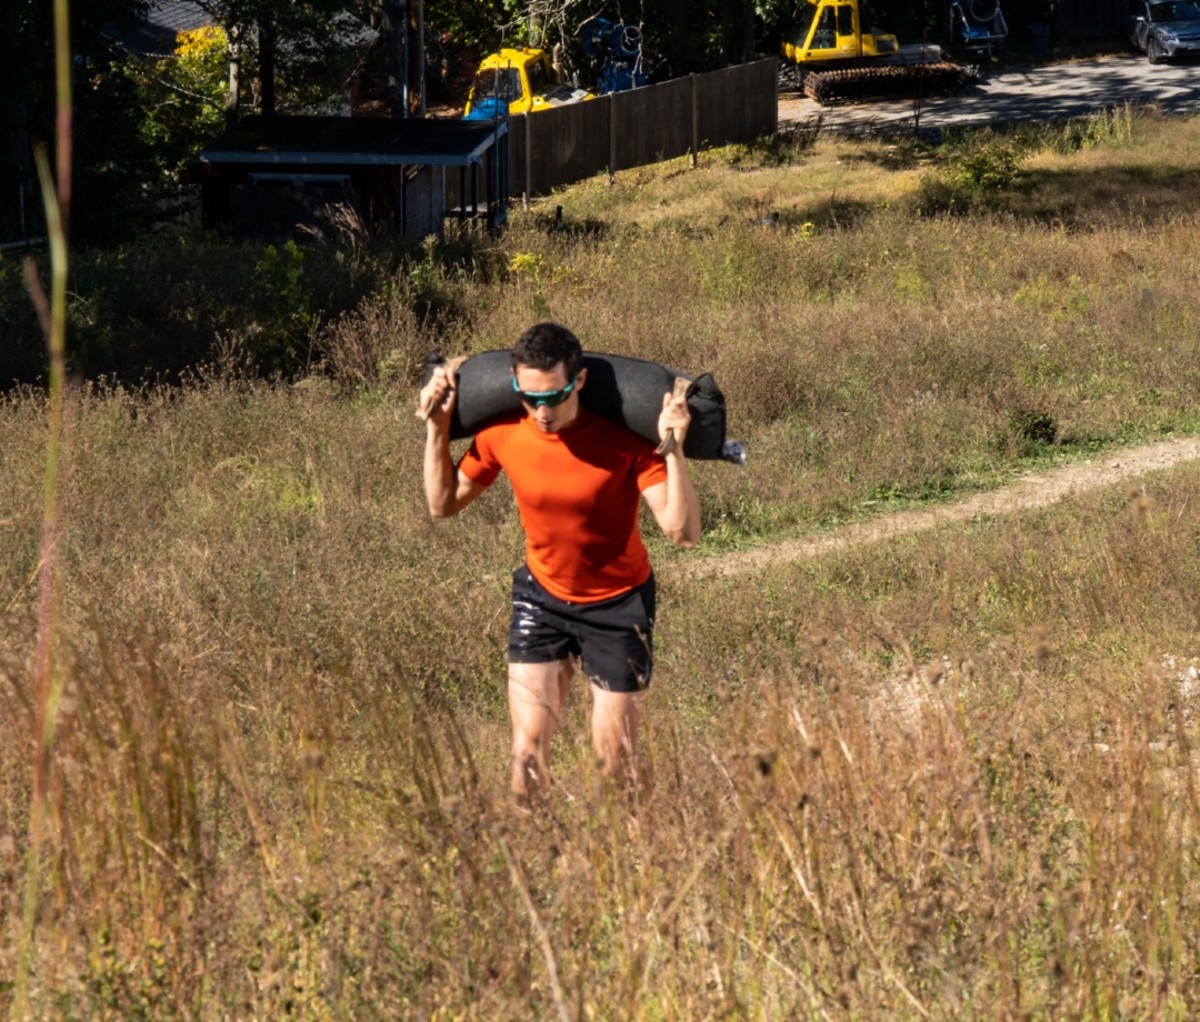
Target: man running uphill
<point>586,588</point>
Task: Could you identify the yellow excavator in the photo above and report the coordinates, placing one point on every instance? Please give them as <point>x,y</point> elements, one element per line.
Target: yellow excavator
<point>840,57</point>
<point>519,80</point>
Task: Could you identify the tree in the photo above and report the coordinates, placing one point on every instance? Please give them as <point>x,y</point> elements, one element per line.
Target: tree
<point>472,23</point>
<point>184,98</point>
<point>106,151</point>
<point>737,35</point>
<point>303,47</point>
<point>402,23</point>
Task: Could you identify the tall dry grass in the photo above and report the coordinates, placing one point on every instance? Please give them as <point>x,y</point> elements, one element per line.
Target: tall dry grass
<point>949,776</point>
<point>946,776</point>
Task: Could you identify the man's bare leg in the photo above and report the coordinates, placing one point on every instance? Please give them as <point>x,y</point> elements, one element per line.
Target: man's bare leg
<point>536,693</point>
<point>615,719</point>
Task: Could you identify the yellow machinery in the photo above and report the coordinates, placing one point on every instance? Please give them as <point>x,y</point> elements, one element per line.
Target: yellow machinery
<point>517,81</point>
<point>841,58</point>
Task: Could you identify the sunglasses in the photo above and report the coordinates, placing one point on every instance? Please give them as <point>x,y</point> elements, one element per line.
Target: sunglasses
<point>549,398</point>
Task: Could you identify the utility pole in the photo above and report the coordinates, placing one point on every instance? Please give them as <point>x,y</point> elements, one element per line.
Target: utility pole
<point>395,24</point>
<point>416,46</point>
<point>233,97</point>
<point>266,60</point>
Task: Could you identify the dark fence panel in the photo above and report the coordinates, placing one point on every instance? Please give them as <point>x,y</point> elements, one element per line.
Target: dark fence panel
<point>631,129</point>
<point>654,123</point>
<point>563,145</point>
<point>518,145</point>
<point>1088,19</point>
<point>739,103</point>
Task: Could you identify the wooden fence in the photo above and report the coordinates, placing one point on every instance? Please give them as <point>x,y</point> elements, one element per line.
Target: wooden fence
<point>630,129</point>
<point>1075,20</point>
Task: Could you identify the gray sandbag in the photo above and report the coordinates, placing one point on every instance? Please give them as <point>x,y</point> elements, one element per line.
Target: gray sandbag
<point>626,391</point>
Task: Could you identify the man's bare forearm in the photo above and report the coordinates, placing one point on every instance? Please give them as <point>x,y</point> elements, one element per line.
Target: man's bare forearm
<point>441,477</point>
<point>681,518</point>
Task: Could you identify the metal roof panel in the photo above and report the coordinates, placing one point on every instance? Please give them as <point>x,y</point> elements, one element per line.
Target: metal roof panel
<point>379,141</point>
<point>177,15</point>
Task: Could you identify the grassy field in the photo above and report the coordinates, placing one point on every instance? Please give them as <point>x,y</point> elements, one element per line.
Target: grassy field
<point>946,776</point>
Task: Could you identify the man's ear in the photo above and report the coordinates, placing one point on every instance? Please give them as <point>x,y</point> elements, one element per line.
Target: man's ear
<point>580,379</point>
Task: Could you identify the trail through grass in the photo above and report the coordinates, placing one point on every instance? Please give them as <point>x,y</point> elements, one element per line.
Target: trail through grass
<point>1034,490</point>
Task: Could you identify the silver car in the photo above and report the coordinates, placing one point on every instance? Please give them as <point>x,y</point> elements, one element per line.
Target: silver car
<point>1164,29</point>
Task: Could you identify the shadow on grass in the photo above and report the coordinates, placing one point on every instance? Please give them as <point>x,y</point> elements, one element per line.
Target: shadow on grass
<point>556,224</point>
<point>785,146</point>
<point>1147,193</point>
<point>904,153</point>
<point>832,212</point>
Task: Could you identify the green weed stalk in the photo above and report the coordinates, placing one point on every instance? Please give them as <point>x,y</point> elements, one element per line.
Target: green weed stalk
<point>56,196</point>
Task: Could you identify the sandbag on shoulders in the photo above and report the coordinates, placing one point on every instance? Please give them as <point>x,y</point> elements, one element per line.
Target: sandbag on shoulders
<point>626,391</point>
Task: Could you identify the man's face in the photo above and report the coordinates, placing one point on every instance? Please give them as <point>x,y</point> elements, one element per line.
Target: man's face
<point>535,383</point>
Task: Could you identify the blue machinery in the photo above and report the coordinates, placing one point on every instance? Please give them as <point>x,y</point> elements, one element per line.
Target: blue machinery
<point>977,25</point>
<point>618,48</point>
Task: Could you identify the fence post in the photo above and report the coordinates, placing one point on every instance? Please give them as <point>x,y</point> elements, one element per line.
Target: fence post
<point>528,189</point>
<point>695,120</point>
<point>612,138</point>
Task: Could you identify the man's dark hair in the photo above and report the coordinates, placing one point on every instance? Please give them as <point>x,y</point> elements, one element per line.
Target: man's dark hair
<point>545,345</point>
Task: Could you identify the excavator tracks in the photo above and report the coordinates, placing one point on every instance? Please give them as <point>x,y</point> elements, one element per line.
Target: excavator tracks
<point>892,81</point>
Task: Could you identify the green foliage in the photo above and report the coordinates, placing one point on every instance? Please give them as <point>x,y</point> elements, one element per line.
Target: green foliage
<point>1105,128</point>
<point>776,16</point>
<point>470,23</point>
<point>314,49</point>
<point>279,340</point>
<point>425,277</point>
<point>739,275</point>
<point>139,123</point>
<point>975,170</point>
<point>983,165</point>
<point>184,97</point>
<point>109,183</point>
<point>1031,429</point>
<point>438,274</point>
<point>165,306</point>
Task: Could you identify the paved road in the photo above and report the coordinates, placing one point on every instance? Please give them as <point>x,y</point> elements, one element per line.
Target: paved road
<point>1045,93</point>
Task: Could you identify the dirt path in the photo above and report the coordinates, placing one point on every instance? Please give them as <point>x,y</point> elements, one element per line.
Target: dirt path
<point>1031,491</point>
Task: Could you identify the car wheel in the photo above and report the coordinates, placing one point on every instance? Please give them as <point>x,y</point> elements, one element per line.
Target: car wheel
<point>1153,52</point>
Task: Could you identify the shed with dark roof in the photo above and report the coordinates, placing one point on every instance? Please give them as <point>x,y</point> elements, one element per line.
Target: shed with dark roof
<point>271,176</point>
<point>158,32</point>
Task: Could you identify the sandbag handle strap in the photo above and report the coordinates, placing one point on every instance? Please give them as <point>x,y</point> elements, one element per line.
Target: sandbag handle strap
<point>667,445</point>
<point>425,402</point>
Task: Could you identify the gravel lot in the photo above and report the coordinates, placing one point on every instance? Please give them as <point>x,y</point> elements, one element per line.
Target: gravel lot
<point>1044,93</point>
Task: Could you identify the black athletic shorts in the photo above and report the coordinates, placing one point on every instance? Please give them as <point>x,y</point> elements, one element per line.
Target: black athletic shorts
<point>612,638</point>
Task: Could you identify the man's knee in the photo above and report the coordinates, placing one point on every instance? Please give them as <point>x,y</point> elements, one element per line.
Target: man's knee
<point>615,717</point>
<point>538,688</point>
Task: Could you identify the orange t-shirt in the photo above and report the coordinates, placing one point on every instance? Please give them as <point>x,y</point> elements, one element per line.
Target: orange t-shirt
<point>577,491</point>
